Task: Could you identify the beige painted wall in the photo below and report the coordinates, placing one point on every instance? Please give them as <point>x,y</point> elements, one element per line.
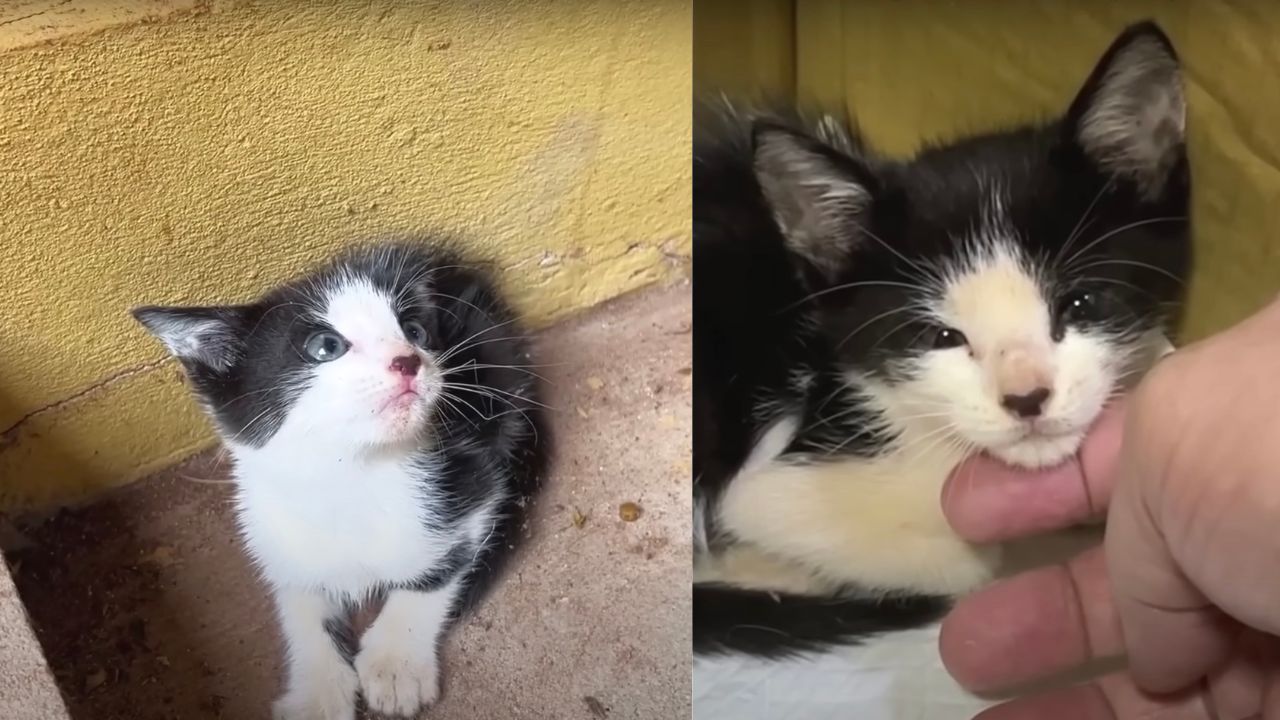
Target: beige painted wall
<point>199,152</point>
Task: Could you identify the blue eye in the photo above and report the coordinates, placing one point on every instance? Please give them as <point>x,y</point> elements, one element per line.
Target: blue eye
<point>326,346</point>
<point>414,332</point>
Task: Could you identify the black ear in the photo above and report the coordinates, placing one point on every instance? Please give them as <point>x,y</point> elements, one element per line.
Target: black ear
<point>1130,117</point>
<point>821,198</point>
<point>208,336</point>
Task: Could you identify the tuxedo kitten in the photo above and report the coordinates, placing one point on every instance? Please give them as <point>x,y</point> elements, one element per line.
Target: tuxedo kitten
<point>386,434</point>
<point>866,323</point>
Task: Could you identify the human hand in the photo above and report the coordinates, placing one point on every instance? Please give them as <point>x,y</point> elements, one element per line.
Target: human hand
<point>1187,582</point>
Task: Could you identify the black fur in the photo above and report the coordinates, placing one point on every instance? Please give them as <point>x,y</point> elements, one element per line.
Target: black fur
<point>784,625</point>
<point>774,319</point>
<point>343,636</point>
<point>492,442</point>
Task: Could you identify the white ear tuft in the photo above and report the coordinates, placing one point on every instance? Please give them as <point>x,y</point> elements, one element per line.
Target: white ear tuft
<point>1130,118</point>
<point>205,336</point>
<point>819,202</point>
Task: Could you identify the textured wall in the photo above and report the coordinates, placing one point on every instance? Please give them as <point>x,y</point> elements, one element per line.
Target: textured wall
<point>196,152</point>
<point>930,70</point>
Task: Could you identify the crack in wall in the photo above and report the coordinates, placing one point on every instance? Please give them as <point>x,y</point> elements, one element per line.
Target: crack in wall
<point>9,437</point>
<point>35,14</point>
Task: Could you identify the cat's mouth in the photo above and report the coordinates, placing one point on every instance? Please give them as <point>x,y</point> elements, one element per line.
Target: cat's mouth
<point>1040,445</point>
<point>401,400</point>
<point>1045,430</point>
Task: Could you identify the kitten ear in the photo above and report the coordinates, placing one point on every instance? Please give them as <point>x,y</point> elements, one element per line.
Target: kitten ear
<point>1130,117</point>
<point>820,198</point>
<point>208,336</point>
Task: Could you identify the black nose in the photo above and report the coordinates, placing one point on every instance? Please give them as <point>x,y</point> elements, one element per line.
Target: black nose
<point>406,365</point>
<point>1026,406</point>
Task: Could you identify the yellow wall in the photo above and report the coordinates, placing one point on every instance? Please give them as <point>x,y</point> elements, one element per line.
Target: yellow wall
<point>911,71</point>
<point>744,46</point>
<point>194,152</point>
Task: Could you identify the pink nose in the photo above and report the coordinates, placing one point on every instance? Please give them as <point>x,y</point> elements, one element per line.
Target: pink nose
<point>406,365</point>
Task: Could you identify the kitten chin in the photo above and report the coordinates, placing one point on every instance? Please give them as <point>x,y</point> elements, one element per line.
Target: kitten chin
<point>1039,453</point>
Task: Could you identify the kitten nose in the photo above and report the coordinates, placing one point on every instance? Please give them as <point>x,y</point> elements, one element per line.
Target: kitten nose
<point>1026,406</point>
<point>406,365</point>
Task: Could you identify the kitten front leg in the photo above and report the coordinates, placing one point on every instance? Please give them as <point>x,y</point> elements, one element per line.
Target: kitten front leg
<point>320,682</point>
<point>397,664</point>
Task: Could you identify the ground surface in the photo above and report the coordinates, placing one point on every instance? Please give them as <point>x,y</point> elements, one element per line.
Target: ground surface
<point>147,609</point>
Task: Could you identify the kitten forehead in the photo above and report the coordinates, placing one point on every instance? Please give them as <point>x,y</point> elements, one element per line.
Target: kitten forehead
<point>361,311</point>
<point>994,296</point>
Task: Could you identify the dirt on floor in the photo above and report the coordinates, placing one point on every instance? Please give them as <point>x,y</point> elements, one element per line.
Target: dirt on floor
<point>148,610</point>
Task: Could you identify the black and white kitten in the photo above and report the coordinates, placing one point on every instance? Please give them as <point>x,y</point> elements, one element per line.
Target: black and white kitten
<point>385,436</point>
<point>864,324</point>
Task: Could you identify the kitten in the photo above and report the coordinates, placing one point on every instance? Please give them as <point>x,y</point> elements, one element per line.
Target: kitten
<point>385,437</point>
<point>864,324</point>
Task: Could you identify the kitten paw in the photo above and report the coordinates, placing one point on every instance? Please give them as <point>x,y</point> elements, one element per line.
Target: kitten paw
<point>398,680</point>
<point>335,701</point>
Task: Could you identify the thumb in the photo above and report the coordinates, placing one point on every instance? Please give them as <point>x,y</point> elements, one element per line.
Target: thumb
<point>1173,634</point>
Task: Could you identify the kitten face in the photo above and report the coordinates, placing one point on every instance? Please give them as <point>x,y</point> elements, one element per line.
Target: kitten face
<point>998,291</point>
<point>382,380</point>
<point>1009,355</point>
<point>346,360</point>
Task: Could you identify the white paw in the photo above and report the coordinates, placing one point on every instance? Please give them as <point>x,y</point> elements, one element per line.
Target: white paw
<point>398,679</point>
<point>333,701</point>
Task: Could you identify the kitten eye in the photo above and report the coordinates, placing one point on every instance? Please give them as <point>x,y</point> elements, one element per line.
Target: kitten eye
<point>326,346</point>
<point>1079,307</point>
<point>949,338</point>
<point>414,332</point>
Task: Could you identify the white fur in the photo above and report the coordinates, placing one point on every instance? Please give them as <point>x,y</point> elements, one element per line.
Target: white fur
<point>346,405</point>
<point>999,303</point>
<point>205,342</point>
<point>877,522</point>
<point>333,506</point>
<point>397,663</point>
<point>321,685</point>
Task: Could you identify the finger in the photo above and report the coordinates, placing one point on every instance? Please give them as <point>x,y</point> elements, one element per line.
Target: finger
<point>1174,635</point>
<point>1114,697</point>
<point>1032,625</point>
<point>1237,690</point>
<point>987,501</point>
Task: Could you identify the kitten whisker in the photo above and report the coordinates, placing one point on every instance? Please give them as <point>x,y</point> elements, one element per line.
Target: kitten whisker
<point>847,286</point>
<point>472,365</point>
<point>455,349</point>
<point>486,341</point>
<point>1080,224</point>
<point>1067,264</point>
<point>482,389</point>
<point>870,322</point>
<point>1133,263</point>
<point>925,272</point>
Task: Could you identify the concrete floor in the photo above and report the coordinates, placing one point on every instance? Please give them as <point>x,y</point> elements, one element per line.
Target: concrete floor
<point>147,609</point>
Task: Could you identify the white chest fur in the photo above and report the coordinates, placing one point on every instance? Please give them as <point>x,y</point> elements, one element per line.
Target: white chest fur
<point>338,524</point>
<point>875,522</point>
